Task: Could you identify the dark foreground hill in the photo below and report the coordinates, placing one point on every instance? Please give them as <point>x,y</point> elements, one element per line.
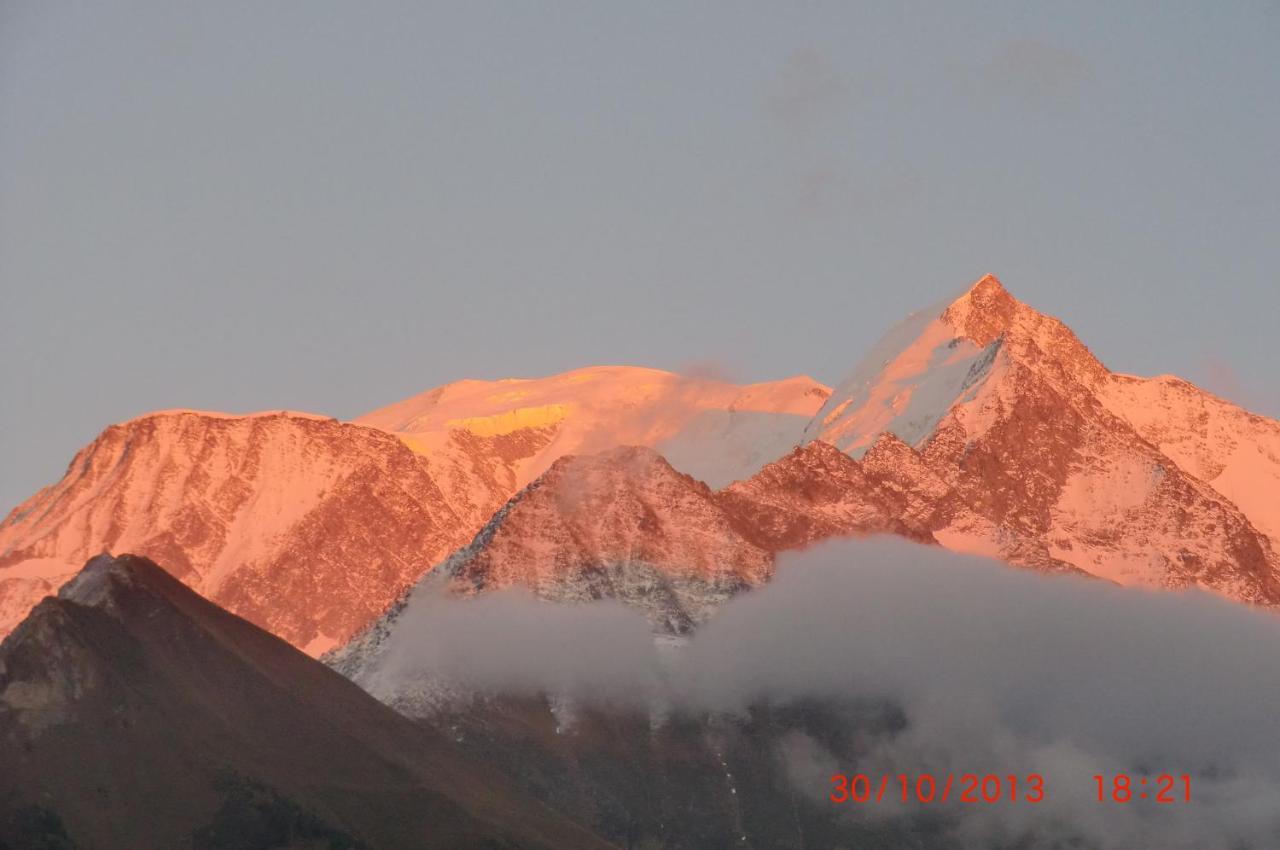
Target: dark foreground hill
<point>134,714</point>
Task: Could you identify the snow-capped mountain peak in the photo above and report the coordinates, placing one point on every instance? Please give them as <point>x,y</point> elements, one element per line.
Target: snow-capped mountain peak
<point>979,423</point>
<point>1009,408</point>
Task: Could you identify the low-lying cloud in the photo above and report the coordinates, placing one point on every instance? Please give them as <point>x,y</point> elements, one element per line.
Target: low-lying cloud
<point>998,671</point>
<point>510,642</point>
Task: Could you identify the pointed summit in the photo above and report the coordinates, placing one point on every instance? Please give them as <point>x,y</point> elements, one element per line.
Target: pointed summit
<point>984,312</point>
<point>917,370</point>
<point>988,284</point>
<point>91,586</point>
<point>943,356</point>
<point>105,577</point>
<point>620,524</point>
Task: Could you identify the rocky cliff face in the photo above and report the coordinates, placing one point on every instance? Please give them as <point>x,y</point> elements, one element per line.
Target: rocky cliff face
<point>816,492</point>
<point>1235,452</point>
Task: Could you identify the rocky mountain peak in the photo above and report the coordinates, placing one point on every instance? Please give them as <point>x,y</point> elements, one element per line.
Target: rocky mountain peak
<point>984,312</point>
<point>93,585</point>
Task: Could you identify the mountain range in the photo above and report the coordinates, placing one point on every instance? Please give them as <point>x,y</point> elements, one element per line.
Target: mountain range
<point>173,697</point>
<point>979,424</point>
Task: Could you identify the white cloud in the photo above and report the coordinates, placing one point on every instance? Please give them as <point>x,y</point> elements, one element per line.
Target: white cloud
<point>997,670</point>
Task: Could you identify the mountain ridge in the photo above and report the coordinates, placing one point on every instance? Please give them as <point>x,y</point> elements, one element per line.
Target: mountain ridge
<point>979,423</point>
<point>235,506</point>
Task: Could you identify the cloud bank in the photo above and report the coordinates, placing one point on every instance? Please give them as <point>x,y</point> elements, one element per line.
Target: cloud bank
<point>997,671</point>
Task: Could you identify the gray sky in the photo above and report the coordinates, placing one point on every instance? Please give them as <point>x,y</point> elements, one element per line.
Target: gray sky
<point>331,206</point>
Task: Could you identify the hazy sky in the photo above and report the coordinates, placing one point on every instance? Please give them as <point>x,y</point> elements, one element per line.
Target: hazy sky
<point>331,206</point>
